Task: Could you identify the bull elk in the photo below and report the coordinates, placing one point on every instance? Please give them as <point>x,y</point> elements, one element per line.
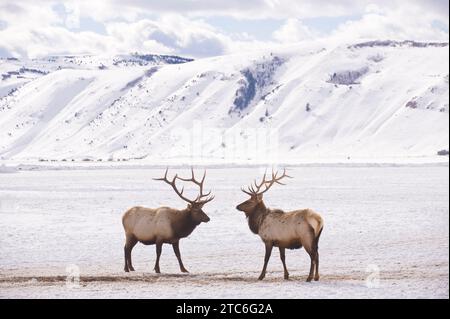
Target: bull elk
<point>281,229</point>
<point>165,225</point>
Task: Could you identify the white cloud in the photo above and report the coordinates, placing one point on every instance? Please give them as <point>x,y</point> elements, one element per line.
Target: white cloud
<point>27,14</point>
<point>174,33</point>
<point>376,22</point>
<point>282,9</point>
<point>31,28</point>
<point>409,23</point>
<point>250,9</point>
<point>293,31</point>
<point>73,15</point>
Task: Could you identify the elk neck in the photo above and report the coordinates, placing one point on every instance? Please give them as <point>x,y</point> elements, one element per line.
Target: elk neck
<point>183,225</point>
<point>256,217</point>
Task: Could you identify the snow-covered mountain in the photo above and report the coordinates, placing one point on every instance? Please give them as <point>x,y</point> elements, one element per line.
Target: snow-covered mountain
<point>370,102</point>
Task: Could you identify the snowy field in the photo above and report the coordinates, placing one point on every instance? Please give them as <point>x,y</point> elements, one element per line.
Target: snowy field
<point>386,235</point>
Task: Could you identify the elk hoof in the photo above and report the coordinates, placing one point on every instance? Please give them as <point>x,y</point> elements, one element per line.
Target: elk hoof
<point>308,279</point>
<point>131,269</point>
<point>261,277</point>
<point>286,276</point>
<point>157,270</point>
<point>316,278</point>
<point>126,270</point>
<point>184,270</point>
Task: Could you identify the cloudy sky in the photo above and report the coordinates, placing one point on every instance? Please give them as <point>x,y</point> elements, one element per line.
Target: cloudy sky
<point>201,28</point>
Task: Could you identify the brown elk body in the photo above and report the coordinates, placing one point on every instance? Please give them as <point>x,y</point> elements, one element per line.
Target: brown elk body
<point>291,230</point>
<point>164,225</point>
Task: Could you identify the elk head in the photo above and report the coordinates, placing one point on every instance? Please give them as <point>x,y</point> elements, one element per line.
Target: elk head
<point>194,207</point>
<point>256,193</point>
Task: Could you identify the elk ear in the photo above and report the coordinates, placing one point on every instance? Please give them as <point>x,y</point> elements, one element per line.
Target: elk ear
<point>189,206</point>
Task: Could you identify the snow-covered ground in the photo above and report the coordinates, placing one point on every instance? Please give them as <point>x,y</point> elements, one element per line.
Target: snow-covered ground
<point>386,235</point>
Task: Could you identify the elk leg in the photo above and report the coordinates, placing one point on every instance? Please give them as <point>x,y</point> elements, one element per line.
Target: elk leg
<point>158,254</point>
<point>269,247</point>
<point>125,250</point>
<point>312,251</point>
<point>316,276</point>
<point>283,260</point>
<point>176,250</point>
<point>311,269</point>
<point>129,244</point>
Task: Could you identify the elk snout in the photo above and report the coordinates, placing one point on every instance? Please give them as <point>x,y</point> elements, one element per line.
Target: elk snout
<point>239,207</point>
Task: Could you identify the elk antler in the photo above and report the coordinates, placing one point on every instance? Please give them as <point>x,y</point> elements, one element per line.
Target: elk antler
<point>198,199</point>
<point>256,190</point>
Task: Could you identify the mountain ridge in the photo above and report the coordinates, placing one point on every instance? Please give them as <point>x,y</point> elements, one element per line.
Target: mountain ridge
<point>373,101</point>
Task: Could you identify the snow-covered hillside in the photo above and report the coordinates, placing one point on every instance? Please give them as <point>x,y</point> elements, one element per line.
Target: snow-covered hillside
<point>370,102</point>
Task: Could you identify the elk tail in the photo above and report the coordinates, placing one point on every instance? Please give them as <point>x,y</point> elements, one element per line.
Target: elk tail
<point>316,241</point>
<point>318,230</point>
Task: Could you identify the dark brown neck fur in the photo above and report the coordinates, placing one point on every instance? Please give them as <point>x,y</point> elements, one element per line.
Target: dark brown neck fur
<point>256,217</point>
<point>184,225</point>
